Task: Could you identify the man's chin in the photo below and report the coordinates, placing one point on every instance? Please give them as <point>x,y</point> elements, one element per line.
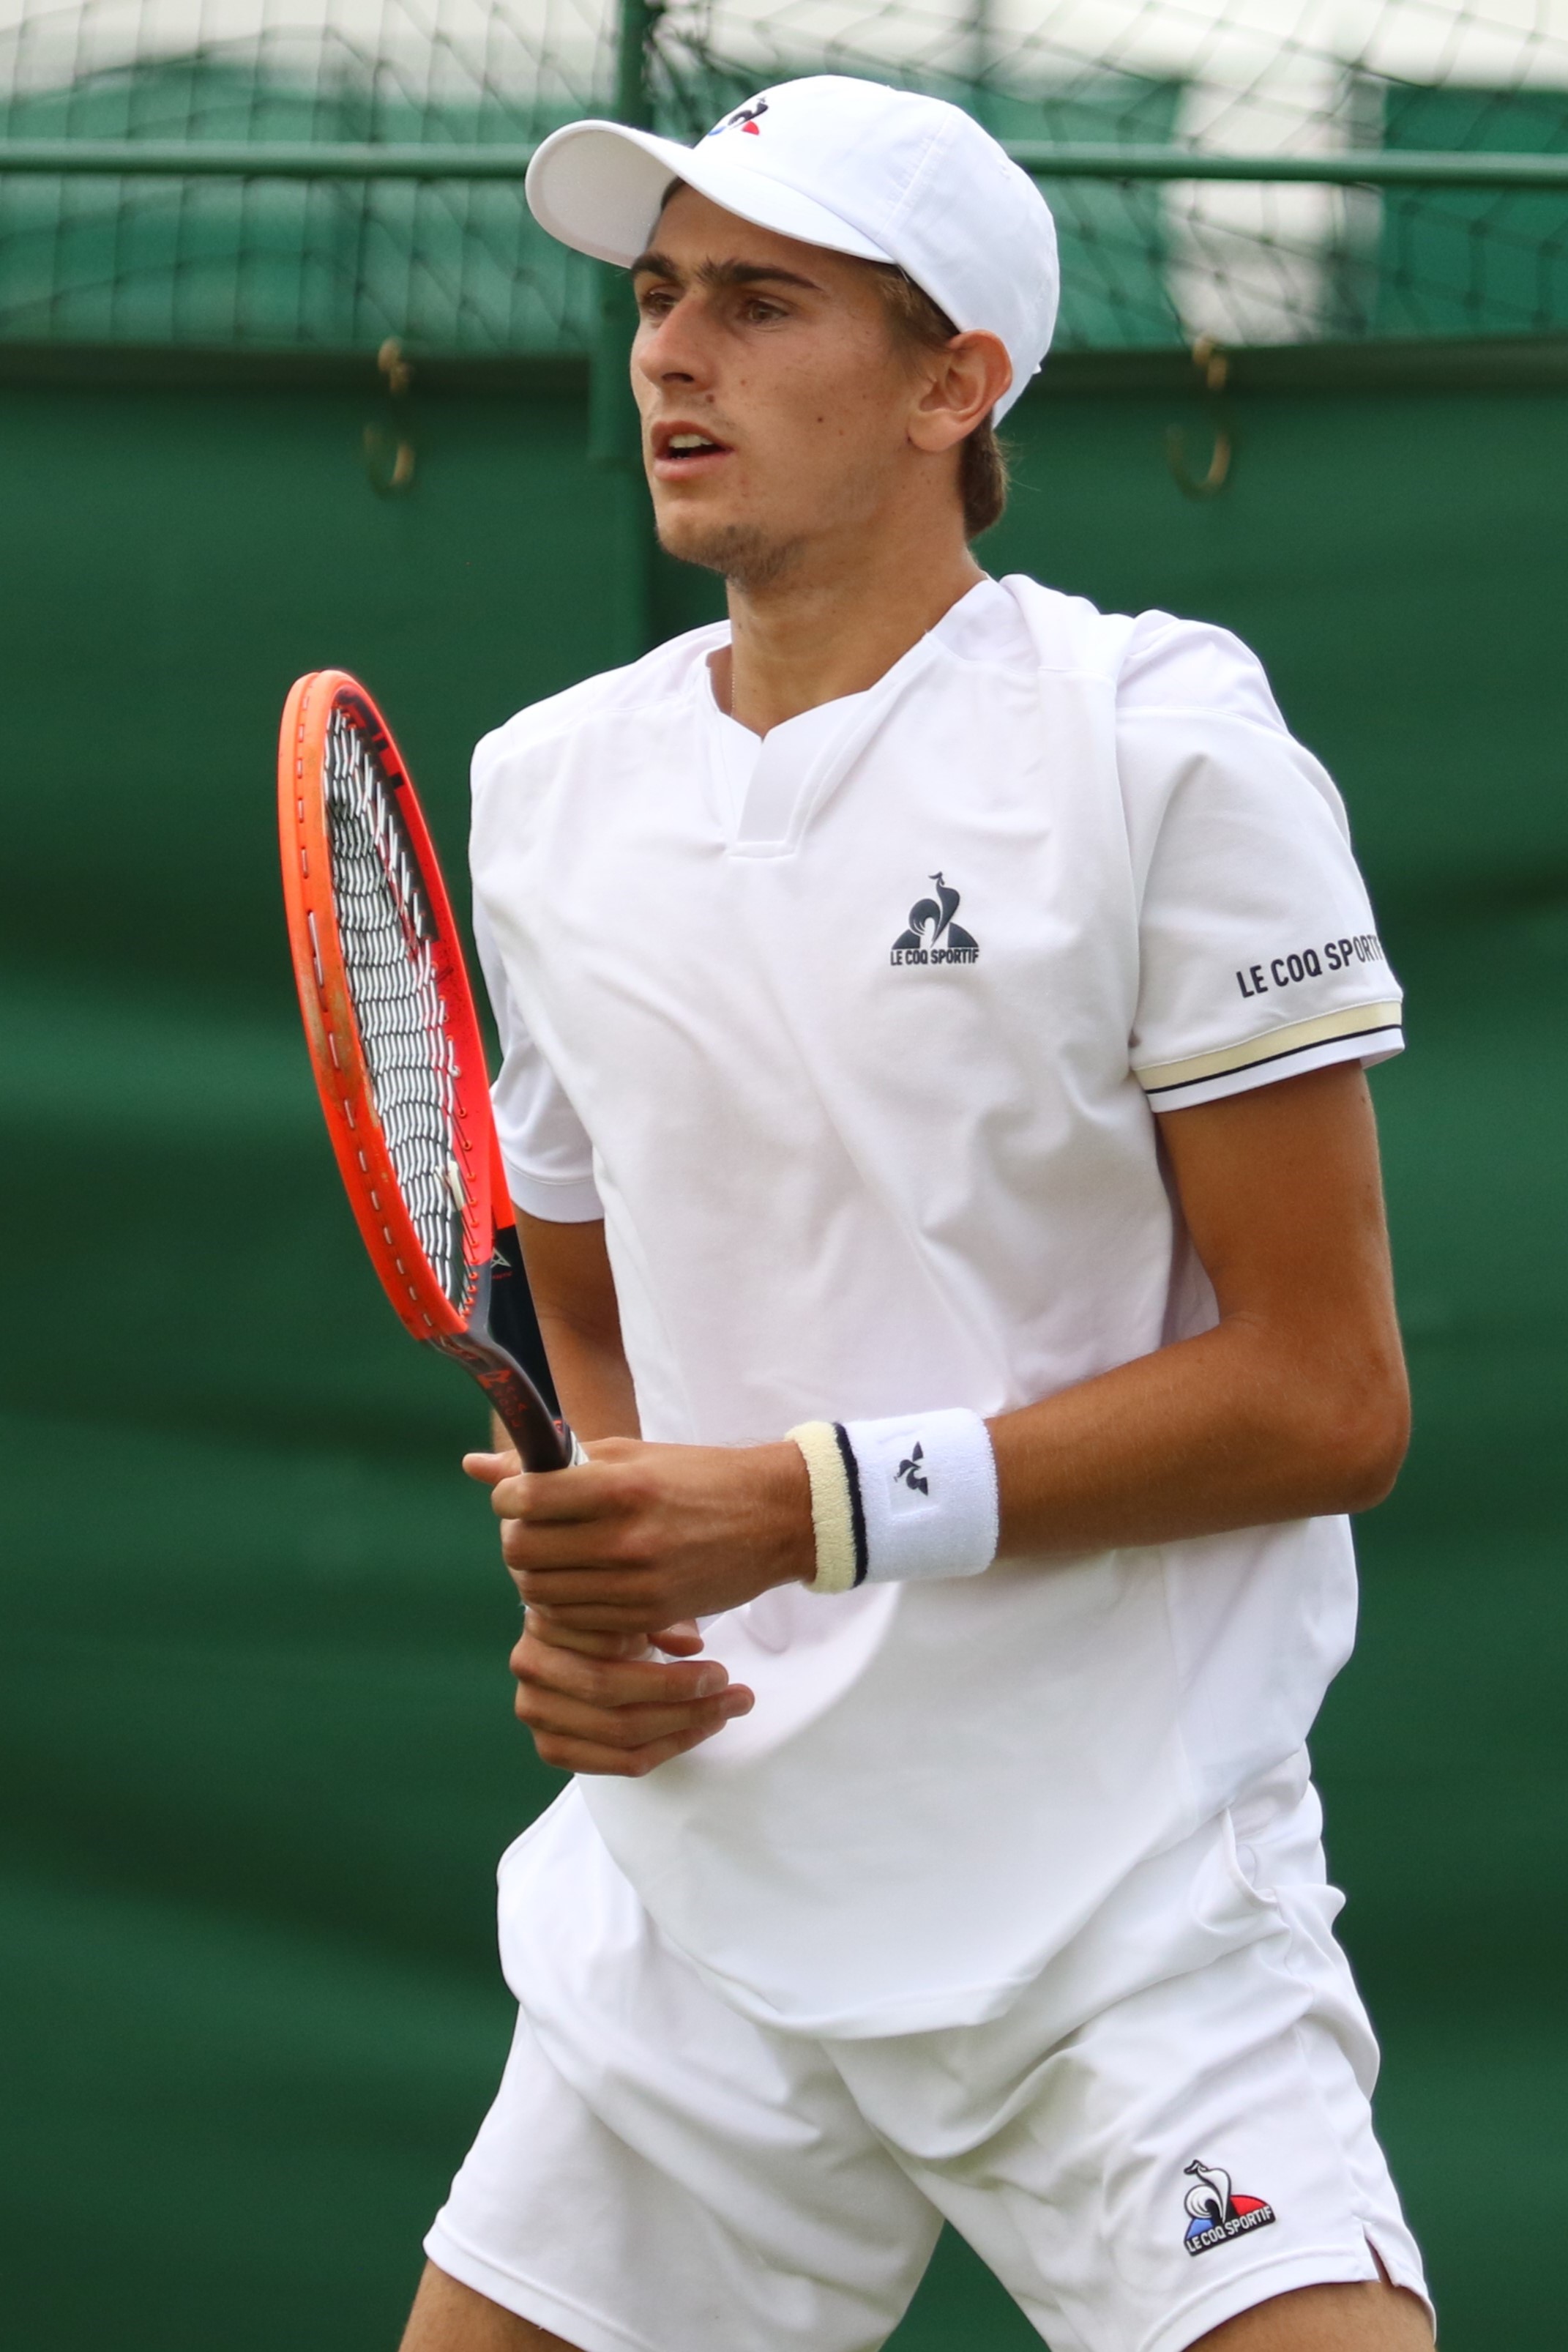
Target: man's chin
<point>740,552</point>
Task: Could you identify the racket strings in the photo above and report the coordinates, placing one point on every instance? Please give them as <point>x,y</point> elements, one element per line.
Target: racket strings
<point>389,956</point>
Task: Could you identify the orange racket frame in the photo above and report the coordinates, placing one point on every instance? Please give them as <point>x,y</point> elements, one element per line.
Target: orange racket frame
<point>494,1328</point>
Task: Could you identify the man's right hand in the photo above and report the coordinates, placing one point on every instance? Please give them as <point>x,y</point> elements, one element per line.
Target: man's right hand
<point>608,1703</point>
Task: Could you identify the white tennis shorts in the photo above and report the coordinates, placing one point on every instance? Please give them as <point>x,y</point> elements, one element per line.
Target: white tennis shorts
<point>1170,2126</point>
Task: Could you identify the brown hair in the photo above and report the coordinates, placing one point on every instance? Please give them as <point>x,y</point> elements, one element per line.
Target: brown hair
<point>917,319</point>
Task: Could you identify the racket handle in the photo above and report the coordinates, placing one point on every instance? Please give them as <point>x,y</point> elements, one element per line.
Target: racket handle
<point>542,1442</point>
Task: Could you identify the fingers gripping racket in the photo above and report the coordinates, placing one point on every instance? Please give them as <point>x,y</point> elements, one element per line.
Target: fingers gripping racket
<point>395,1048</point>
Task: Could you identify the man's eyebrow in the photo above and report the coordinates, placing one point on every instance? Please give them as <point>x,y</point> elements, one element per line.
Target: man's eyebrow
<point>722,273</point>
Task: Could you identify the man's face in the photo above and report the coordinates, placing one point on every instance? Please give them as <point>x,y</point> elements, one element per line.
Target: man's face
<point>775,401</point>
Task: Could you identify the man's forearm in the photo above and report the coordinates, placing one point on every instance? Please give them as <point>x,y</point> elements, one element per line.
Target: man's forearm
<point>1295,1404</point>
<point>579,1322</point>
<point>1227,1430</point>
<point>592,1381</point>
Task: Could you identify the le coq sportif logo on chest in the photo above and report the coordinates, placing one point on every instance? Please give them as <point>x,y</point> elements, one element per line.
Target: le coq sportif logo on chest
<point>933,936</point>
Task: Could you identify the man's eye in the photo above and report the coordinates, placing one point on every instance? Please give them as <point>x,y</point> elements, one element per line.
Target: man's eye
<point>655,301</point>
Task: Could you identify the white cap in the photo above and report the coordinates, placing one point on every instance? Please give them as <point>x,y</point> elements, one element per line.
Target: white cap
<point>852,165</point>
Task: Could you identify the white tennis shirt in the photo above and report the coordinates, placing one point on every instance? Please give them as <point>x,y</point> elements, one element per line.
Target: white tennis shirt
<point>854,1035</point>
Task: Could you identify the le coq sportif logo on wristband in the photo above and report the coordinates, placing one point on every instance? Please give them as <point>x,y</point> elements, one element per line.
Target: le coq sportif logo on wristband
<point>911,1471</point>
<point>933,936</point>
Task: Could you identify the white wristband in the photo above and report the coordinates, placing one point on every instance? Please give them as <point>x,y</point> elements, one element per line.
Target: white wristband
<point>900,1500</point>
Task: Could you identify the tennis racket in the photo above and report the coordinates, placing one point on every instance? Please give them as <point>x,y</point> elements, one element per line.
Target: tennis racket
<point>397,1057</point>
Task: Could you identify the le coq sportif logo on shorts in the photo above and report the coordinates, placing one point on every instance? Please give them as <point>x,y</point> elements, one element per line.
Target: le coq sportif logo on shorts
<point>1217,2212</point>
<point>933,936</point>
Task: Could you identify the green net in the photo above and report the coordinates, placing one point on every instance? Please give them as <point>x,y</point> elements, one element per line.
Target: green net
<point>447,265</point>
<point>1245,261</point>
<point>287,262</point>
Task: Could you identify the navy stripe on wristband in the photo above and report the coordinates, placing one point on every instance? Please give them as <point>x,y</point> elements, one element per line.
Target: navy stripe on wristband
<point>857,1506</point>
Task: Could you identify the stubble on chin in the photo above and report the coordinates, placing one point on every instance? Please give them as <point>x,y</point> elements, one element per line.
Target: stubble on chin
<point>740,552</point>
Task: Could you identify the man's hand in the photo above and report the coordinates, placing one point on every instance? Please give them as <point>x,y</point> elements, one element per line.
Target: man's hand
<point>642,1536</point>
<point>614,1559</point>
<point>603,1701</point>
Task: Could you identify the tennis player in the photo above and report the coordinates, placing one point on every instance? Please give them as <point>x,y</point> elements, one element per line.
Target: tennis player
<point>935,1017</point>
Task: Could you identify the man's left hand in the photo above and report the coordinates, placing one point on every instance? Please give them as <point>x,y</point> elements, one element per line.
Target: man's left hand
<point>639,1537</point>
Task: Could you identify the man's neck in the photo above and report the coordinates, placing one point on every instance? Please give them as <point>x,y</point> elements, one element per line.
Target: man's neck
<point>833,627</point>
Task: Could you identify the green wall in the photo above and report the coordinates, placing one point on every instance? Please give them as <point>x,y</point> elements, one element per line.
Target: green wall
<point>257,1753</point>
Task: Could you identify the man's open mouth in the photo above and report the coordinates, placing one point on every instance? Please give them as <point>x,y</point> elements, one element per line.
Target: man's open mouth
<point>679,449</point>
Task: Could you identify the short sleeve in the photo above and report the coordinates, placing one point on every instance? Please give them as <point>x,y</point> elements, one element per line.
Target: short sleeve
<point>548,1158</point>
<point>1259,956</point>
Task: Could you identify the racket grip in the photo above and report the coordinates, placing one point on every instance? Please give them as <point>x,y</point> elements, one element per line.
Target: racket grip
<point>543,1443</point>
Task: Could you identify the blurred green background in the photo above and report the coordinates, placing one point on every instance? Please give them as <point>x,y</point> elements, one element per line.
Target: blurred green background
<point>258,1753</point>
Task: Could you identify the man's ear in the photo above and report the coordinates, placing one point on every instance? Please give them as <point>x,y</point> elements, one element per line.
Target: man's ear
<point>962,383</point>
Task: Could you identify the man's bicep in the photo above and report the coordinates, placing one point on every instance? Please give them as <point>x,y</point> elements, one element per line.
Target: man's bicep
<point>569,1274</point>
<point>1282,1195</point>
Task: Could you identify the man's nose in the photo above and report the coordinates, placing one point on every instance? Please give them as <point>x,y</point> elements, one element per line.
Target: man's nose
<point>670,351</point>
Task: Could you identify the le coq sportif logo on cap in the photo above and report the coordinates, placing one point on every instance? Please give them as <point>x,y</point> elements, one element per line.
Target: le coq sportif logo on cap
<point>744,118</point>
<point>933,936</point>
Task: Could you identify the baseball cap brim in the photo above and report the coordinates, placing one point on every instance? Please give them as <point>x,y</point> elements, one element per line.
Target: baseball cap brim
<point>598,186</point>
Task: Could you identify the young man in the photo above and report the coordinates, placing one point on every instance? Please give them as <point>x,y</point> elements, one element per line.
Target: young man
<point>934,1016</point>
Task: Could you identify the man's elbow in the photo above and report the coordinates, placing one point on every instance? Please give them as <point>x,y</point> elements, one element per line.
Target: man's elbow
<point>1365,1442</point>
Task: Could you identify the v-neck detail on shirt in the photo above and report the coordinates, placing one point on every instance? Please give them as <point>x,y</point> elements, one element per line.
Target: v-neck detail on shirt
<point>769,784</point>
<point>761,771</point>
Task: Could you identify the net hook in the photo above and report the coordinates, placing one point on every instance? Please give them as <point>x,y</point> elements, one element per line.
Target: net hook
<point>389,450</point>
<point>1213,365</point>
